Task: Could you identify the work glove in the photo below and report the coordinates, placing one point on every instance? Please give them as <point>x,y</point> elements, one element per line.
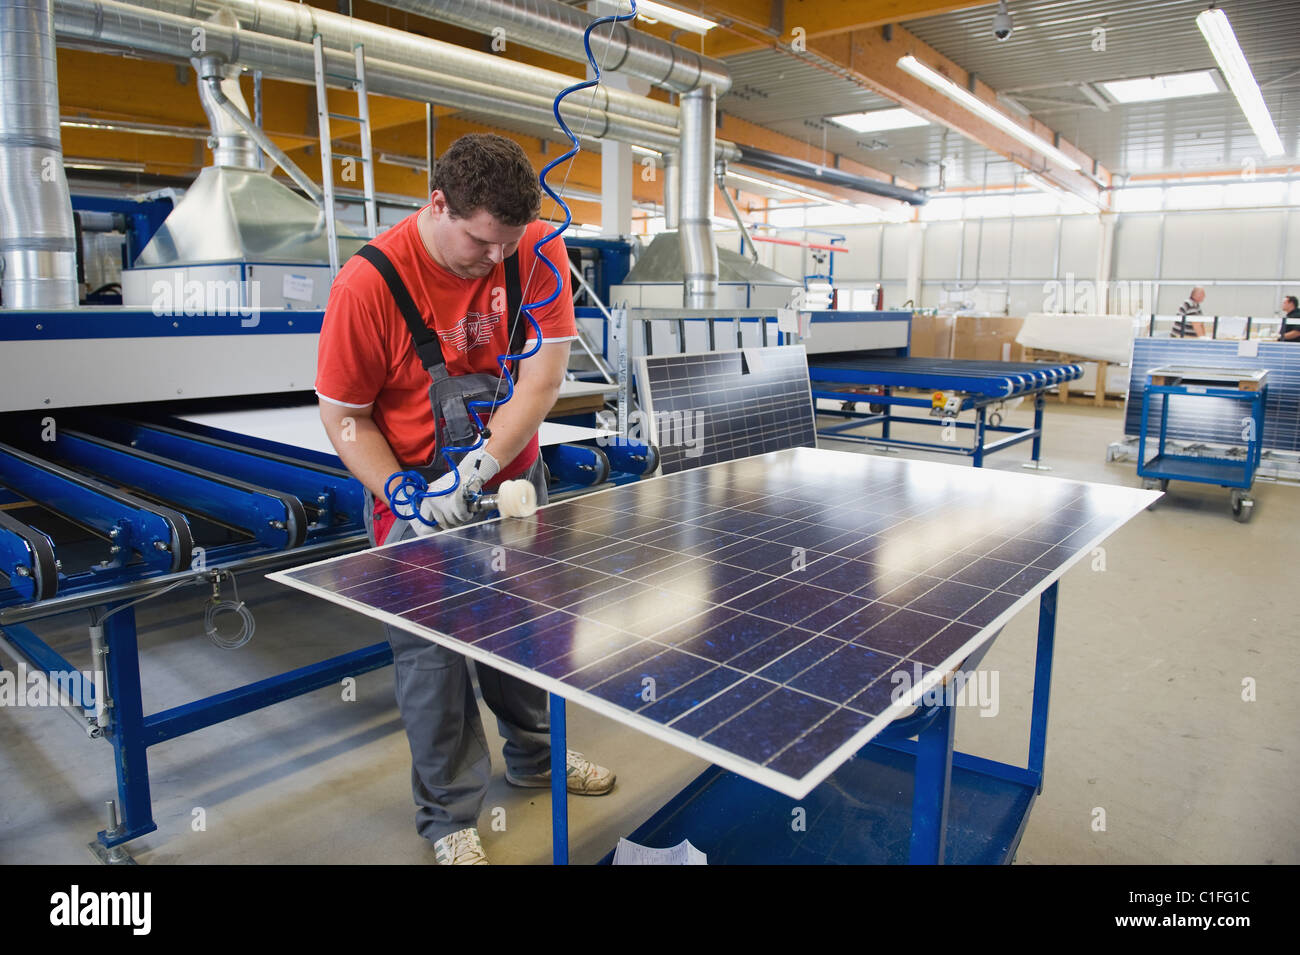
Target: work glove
<point>451,510</point>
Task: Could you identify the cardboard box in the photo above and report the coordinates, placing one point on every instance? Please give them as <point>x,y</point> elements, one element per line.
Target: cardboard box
<point>987,339</point>
<point>931,336</point>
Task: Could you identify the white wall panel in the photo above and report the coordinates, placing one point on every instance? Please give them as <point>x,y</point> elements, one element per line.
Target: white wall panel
<point>941,243</point>
<point>1079,238</point>
<point>1238,244</point>
<point>1135,246</point>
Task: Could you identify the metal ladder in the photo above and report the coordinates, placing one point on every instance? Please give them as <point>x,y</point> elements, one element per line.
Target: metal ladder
<point>357,83</point>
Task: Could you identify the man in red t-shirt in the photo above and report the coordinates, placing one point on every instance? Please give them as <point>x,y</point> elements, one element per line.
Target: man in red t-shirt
<point>374,402</point>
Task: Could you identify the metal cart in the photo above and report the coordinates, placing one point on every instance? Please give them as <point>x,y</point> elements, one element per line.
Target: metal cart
<point>1247,385</point>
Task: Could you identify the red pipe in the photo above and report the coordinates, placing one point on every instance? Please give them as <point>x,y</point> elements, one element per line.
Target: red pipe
<point>802,245</point>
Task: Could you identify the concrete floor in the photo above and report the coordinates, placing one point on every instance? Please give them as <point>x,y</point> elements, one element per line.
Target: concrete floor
<point>1148,723</point>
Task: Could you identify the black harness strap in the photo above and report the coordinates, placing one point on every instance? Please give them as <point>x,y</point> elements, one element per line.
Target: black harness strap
<point>426,342</point>
<point>514,301</point>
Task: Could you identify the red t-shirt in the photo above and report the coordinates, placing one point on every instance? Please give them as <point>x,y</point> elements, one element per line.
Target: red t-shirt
<point>366,356</point>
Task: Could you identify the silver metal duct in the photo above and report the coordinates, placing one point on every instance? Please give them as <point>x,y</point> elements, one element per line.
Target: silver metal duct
<point>299,22</point>
<point>38,249</point>
<point>231,145</point>
<point>145,29</point>
<point>214,92</point>
<point>720,176</point>
<point>672,190</point>
<point>699,254</point>
<point>661,263</point>
<point>556,28</point>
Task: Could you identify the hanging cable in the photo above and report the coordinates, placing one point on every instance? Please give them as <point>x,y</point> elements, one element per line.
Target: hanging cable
<point>406,490</point>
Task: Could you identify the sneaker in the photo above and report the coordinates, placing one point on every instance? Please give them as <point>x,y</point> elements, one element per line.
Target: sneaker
<point>585,778</point>
<point>460,848</point>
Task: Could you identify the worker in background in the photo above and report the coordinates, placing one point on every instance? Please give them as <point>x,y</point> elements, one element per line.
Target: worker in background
<point>1183,328</point>
<point>374,392</point>
<point>1290,331</point>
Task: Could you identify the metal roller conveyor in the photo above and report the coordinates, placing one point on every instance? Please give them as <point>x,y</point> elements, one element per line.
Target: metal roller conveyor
<point>956,386</point>
<point>994,379</point>
<point>333,495</point>
<point>274,520</point>
<point>27,559</point>
<point>142,536</point>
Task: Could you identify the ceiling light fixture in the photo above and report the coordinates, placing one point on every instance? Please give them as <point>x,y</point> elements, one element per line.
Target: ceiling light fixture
<point>937,81</point>
<point>1052,189</point>
<point>1223,43</point>
<point>651,12</point>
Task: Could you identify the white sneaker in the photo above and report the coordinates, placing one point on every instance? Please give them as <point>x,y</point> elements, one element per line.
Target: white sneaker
<point>460,848</point>
<point>585,778</point>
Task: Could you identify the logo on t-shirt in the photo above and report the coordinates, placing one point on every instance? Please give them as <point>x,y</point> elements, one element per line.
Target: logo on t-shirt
<point>473,330</point>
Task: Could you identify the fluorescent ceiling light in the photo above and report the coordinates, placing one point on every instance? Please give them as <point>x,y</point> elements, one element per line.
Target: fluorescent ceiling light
<point>1044,186</point>
<point>1232,64</point>
<point>1150,89</point>
<point>936,80</point>
<point>652,12</point>
<point>879,120</point>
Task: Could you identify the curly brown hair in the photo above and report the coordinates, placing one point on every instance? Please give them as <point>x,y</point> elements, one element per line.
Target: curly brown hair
<point>486,171</point>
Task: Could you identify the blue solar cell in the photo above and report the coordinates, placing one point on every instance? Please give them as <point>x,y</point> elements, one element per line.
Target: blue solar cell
<point>691,695</point>
<point>818,743</point>
<point>660,675</point>
<point>731,637</point>
<point>807,654</point>
<point>949,599</point>
<point>712,713</point>
<point>844,673</point>
<point>406,591</point>
<point>762,730</point>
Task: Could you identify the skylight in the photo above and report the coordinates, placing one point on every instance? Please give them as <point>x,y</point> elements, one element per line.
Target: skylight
<point>1149,89</point>
<point>880,119</point>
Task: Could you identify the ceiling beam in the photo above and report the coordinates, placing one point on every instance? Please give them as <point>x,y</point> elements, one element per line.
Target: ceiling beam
<point>868,58</point>
<point>744,23</point>
<point>872,60</point>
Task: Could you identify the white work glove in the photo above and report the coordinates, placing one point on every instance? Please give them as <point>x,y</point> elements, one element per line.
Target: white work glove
<point>452,510</point>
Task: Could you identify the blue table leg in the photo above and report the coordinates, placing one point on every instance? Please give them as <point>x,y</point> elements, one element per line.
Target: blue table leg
<point>1042,681</point>
<point>559,783</point>
<point>932,784</point>
<point>979,437</point>
<point>1040,401</point>
<point>1142,428</point>
<point>127,730</point>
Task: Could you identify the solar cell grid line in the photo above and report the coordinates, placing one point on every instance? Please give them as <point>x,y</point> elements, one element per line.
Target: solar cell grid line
<point>752,612</point>
<point>717,406</point>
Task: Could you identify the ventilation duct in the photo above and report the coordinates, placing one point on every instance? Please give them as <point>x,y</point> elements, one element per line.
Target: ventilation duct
<point>38,249</point>
<point>556,28</point>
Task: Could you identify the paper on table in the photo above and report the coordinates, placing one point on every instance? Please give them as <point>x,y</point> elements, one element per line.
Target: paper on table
<point>630,853</point>
<point>1248,348</point>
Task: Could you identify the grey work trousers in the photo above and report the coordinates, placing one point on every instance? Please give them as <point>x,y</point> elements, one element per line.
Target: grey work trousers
<point>450,763</point>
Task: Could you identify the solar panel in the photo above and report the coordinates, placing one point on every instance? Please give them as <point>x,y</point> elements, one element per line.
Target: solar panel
<point>754,612</point>
<point>1218,420</point>
<point>719,406</point>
